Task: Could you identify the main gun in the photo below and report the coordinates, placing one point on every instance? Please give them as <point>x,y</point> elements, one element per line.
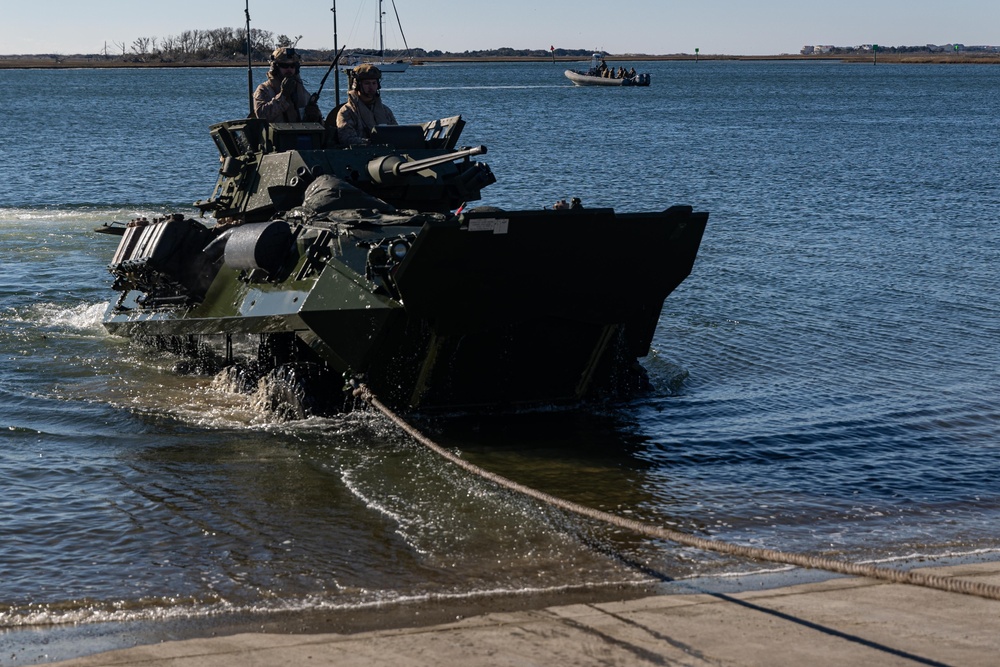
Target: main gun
<point>384,170</point>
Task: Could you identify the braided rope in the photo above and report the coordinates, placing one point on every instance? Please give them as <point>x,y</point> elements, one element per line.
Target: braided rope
<point>938,582</point>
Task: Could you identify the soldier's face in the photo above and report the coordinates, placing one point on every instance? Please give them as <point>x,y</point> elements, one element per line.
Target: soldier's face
<point>368,90</point>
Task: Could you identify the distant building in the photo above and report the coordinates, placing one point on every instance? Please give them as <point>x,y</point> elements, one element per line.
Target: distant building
<point>810,50</point>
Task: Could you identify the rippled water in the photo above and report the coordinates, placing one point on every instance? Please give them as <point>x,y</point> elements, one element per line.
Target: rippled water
<point>826,380</point>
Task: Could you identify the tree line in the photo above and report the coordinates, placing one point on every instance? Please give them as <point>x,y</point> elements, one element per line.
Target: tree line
<point>191,45</point>
<point>230,44</point>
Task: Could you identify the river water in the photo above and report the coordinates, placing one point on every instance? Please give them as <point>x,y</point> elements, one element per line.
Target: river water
<point>826,381</point>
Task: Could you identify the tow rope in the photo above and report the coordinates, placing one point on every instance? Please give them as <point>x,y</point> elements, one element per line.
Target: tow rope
<point>951,585</point>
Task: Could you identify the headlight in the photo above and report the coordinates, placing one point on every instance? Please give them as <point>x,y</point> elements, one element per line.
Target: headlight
<point>398,249</point>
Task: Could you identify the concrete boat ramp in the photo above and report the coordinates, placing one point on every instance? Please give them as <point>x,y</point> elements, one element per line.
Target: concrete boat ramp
<point>841,621</point>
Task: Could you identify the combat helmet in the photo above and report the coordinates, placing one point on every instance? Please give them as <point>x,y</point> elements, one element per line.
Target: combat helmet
<point>285,55</point>
<point>364,72</point>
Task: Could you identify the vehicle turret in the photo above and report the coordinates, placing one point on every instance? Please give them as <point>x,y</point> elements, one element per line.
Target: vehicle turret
<point>266,167</point>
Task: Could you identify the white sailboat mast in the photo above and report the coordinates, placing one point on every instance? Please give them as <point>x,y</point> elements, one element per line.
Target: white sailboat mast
<point>381,39</point>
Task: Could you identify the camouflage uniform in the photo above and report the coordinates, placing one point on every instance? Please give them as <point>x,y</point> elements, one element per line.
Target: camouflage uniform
<point>356,119</point>
<point>265,104</point>
<point>266,107</point>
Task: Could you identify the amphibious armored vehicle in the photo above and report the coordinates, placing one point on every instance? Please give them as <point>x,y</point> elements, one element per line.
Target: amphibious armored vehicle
<point>323,266</point>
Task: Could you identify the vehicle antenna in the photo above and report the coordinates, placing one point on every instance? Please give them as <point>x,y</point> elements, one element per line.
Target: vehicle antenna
<point>249,63</point>
<point>333,68</point>
<point>336,73</point>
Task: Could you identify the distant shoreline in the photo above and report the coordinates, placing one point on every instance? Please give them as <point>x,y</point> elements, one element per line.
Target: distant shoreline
<point>99,62</point>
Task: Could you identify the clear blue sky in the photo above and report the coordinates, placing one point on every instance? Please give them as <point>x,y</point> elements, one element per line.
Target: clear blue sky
<point>737,27</point>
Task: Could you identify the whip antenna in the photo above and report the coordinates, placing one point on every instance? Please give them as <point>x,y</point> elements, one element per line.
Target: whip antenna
<point>333,68</point>
<point>336,73</point>
<point>249,64</point>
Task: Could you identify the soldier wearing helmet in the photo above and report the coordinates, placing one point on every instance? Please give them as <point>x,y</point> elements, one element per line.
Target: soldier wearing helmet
<point>283,98</point>
<point>363,109</point>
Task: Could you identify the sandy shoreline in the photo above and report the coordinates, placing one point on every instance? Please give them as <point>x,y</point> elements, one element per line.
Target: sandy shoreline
<point>42,644</point>
<point>84,643</point>
<point>835,621</point>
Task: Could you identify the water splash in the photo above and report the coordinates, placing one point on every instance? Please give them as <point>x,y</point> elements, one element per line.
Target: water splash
<point>79,318</point>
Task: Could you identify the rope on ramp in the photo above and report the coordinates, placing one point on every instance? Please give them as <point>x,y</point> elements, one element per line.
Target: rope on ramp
<point>949,584</point>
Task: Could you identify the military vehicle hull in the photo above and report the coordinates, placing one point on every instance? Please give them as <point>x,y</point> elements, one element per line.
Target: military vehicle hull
<point>431,309</point>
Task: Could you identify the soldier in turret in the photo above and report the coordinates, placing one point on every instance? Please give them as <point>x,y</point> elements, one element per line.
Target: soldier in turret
<point>283,98</point>
<point>364,108</point>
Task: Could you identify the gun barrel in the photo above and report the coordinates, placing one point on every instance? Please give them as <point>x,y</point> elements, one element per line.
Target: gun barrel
<point>417,165</point>
<point>386,169</point>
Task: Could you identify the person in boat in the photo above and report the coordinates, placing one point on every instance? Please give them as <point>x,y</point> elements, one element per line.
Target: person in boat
<point>364,108</point>
<point>283,98</point>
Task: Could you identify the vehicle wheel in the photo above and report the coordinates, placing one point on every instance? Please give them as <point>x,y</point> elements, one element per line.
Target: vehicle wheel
<point>299,390</point>
<point>237,378</point>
